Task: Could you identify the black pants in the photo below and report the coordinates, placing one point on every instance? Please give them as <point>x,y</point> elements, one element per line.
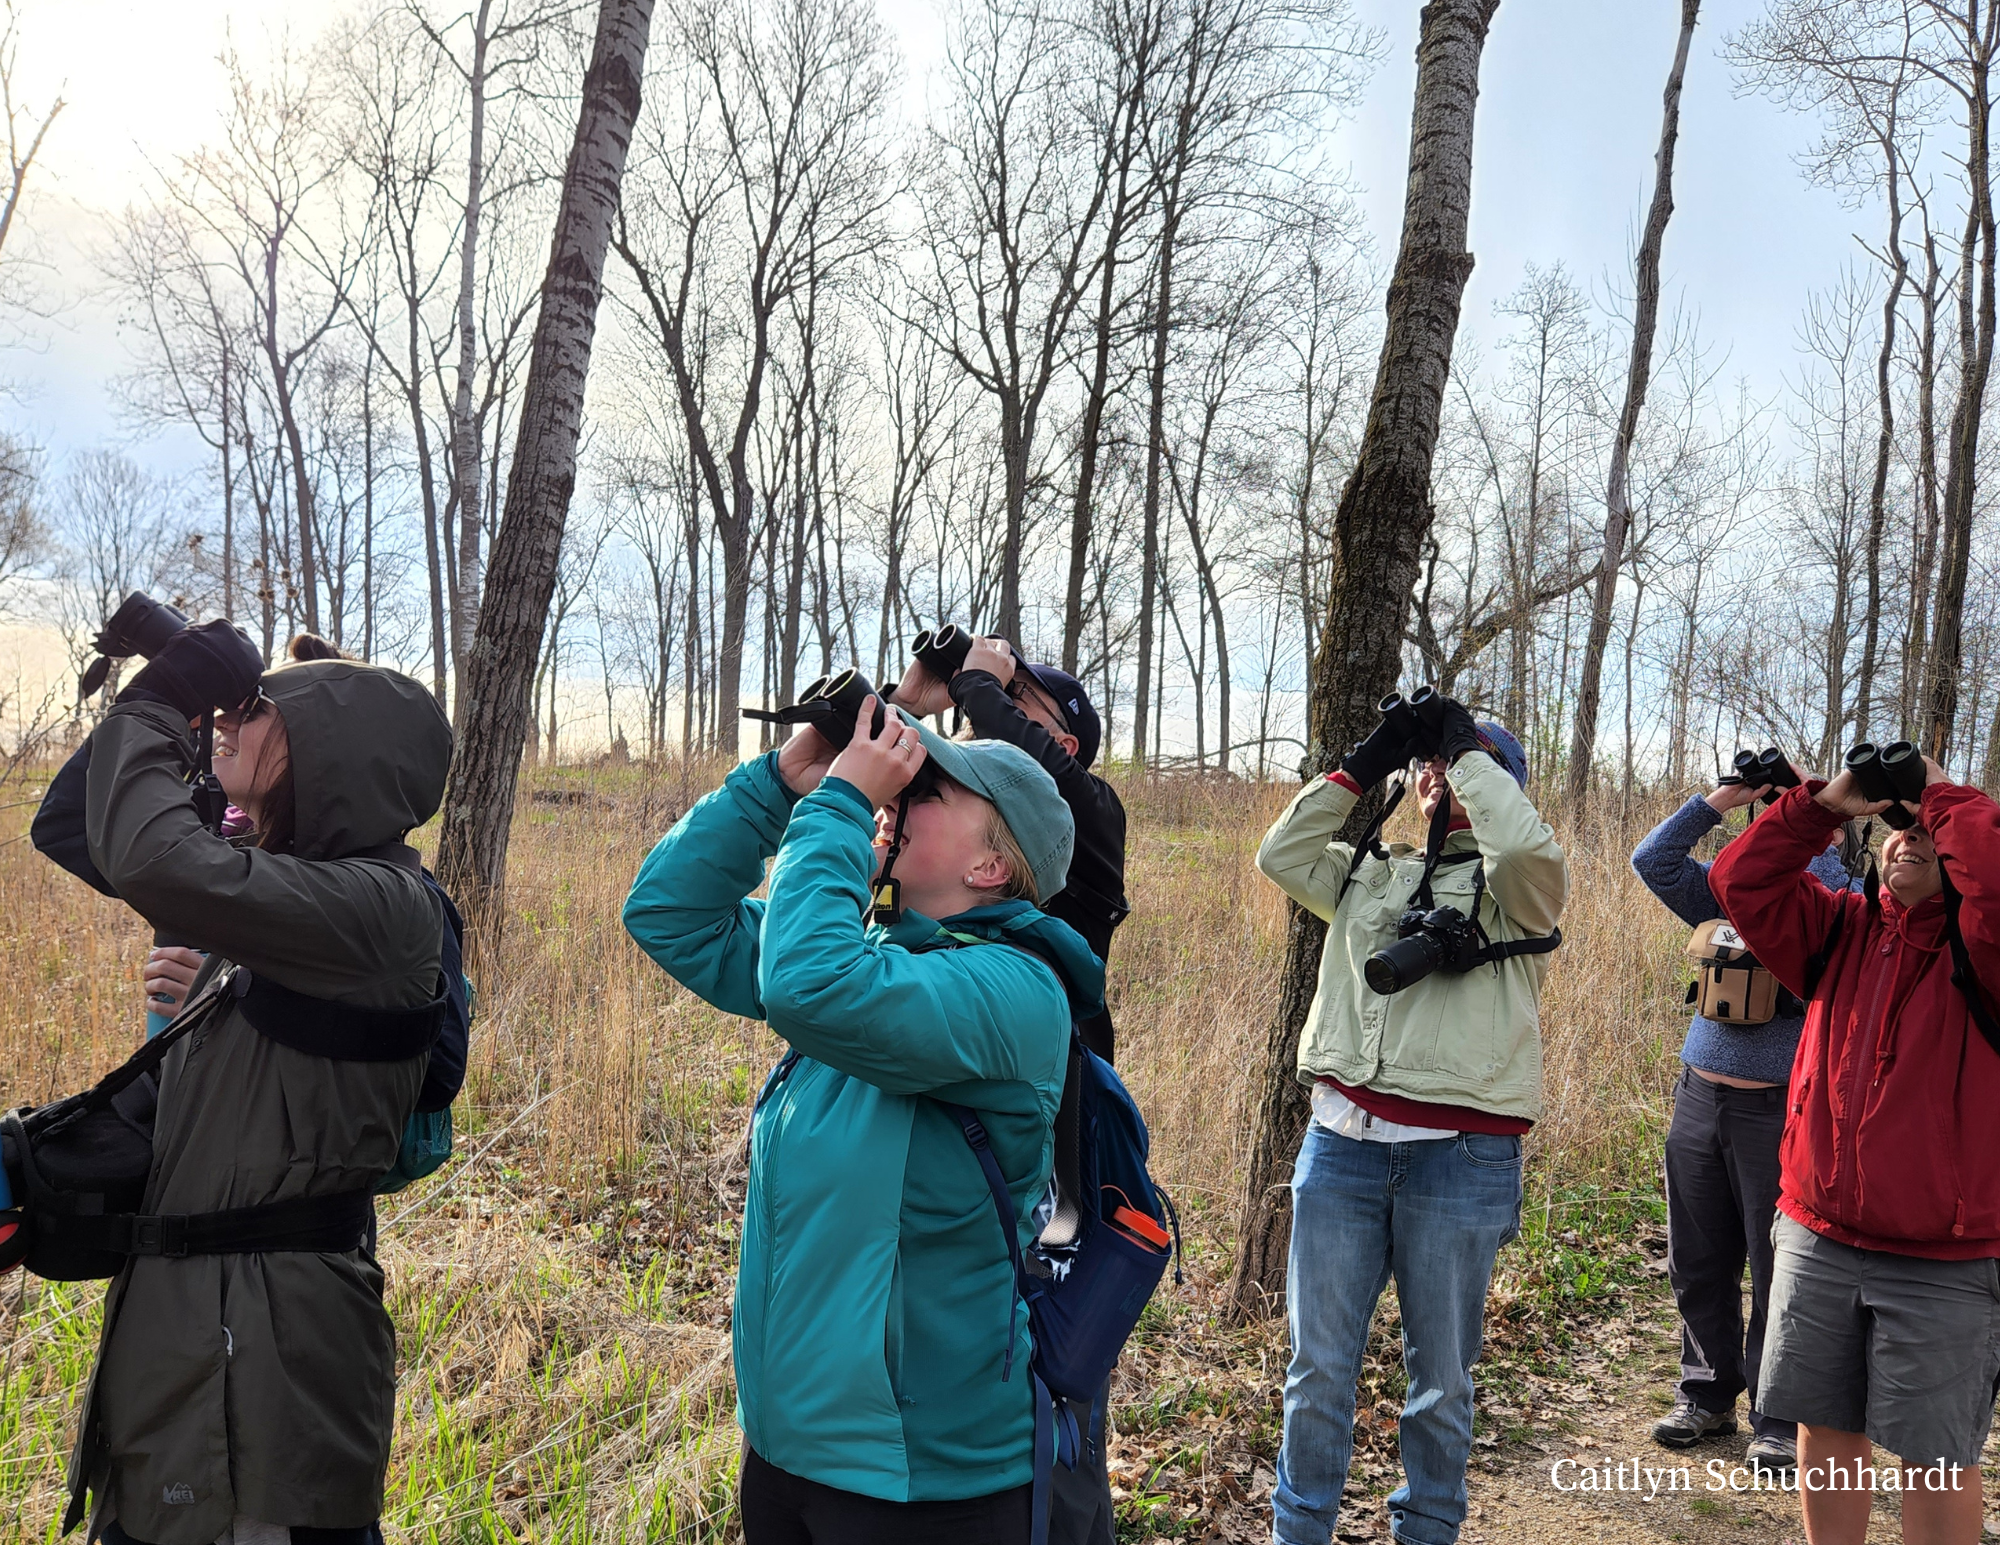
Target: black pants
<point>1080,1511</point>
<point>783,1509</point>
<point>372,1535</point>
<point>1722,1192</point>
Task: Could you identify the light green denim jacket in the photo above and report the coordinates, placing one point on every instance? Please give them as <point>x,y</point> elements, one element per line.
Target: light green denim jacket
<point>1471,1039</point>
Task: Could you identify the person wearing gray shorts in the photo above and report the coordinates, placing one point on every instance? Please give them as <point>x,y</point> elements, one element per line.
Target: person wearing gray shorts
<point>1884,1322</point>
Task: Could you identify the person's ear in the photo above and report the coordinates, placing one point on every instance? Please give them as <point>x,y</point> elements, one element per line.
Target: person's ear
<point>990,873</point>
<point>1067,741</point>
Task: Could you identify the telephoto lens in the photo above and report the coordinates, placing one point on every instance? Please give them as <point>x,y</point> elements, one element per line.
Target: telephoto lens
<point>1865,762</point>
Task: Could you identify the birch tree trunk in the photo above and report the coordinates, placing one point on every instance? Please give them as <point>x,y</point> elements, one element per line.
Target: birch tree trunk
<point>493,716</point>
<point>1617,503</point>
<point>465,447</point>
<point>1384,513</point>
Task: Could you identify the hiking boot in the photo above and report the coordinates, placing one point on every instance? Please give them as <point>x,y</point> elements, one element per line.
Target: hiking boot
<point>1687,1424</point>
<point>1773,1453</point>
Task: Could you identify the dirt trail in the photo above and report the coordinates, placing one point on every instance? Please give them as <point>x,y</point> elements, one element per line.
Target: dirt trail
<point>1515,1500</point>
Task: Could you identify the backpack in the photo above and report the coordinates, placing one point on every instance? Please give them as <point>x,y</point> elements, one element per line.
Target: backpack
<point>1107,1232</point>
<point>427,1135</point>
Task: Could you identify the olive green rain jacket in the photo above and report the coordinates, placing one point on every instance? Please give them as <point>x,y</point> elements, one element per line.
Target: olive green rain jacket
<point>264,1385</point>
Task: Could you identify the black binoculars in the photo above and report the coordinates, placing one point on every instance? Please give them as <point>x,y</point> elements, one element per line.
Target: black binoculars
<point>831,704</point>
<point>1755,769</point>
<point>141,626</point>
<point>1416,719</point>
<point>942,652</point>
<point>1894,772</point>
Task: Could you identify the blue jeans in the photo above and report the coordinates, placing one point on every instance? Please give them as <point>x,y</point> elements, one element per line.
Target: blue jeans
<point>1433,1214</point>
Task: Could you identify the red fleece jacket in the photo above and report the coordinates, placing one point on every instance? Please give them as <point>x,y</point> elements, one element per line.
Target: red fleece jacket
<point>1891,1141</point>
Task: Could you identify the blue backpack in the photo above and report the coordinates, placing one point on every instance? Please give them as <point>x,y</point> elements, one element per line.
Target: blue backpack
<point>427,1136</point>
<point>1100,1251</point>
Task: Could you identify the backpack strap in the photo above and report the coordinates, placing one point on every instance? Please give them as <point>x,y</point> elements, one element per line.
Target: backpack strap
<point>323,1028</point>
<point>989,1165</point>
<point>1963,977</point>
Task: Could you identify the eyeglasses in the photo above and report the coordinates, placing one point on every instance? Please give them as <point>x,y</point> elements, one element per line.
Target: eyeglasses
<point>235,718</point>
<point>1022,684</point>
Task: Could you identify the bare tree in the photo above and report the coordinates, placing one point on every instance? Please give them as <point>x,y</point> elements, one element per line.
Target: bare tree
<point>479,806</point>
<point>763,159</point>
<point>1385,511</point>
<point>1617,505</point>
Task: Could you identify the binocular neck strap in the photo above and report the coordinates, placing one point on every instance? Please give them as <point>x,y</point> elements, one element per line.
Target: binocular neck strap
<point>887,908</point>
<point>1434,853</point>
<point>1371,839</point>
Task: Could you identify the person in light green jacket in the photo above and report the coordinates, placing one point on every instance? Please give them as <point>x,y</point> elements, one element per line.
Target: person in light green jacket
<point>881,1348</point>
<point>1422,1087</point>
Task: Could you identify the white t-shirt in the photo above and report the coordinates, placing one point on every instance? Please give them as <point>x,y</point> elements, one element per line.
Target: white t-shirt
<point>1340,1115</point>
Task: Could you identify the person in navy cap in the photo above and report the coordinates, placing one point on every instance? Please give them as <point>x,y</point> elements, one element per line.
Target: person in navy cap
<point>1047,713</point>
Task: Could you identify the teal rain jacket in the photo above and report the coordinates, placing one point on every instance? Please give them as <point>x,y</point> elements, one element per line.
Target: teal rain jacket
<point>874,1302</point>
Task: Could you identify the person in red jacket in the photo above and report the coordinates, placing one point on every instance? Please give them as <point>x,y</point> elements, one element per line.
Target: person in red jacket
<point>1885,1299</point>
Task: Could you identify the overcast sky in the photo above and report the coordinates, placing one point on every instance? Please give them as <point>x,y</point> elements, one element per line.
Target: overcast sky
<point>1568,118</point>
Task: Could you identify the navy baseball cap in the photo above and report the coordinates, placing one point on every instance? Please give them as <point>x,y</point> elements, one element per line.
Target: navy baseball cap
<point>1072,702</point>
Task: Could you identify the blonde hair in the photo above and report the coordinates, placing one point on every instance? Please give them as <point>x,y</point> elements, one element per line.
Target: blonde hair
<point>1020,883</point>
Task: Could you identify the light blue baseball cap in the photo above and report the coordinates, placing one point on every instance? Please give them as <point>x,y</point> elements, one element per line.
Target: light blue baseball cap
<point>1024,793</point>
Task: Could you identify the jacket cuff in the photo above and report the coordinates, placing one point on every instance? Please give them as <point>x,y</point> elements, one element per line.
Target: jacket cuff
<point>842,795</point>
<point>964,681</point>
<point>1699,809</point>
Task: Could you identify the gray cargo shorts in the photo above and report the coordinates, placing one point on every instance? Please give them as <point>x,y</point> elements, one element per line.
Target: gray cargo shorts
<point>1904,1349</point>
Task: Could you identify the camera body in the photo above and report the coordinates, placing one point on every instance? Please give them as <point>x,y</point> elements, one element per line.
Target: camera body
<point>1442,939</point>
<point>141,626</point>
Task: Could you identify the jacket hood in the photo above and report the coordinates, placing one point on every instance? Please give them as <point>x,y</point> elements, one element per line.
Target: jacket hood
<point>370,749</point>
<point>1050,939</point>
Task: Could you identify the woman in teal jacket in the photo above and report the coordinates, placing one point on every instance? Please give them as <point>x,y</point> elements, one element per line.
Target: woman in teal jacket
<point>881,1350</point>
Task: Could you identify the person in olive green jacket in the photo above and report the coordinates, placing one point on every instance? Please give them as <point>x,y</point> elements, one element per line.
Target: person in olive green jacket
<point>1411,1165</point>
<point>881,1347</point>
<point>244,1396</point>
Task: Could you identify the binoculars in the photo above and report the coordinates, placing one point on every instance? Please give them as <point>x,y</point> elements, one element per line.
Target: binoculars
<point>141,626</point>
<point>831,704</point>
<point>1754,769</point>
<point>942,652</point>
<point>1415,719</point>
<point>1894,772</point>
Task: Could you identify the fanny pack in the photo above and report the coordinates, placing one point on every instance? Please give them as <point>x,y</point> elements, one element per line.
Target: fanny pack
<point>1730,986</point>
<point>78,1169</point>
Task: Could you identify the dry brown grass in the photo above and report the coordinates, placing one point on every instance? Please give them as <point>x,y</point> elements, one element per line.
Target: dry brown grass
<point>561,1289</point>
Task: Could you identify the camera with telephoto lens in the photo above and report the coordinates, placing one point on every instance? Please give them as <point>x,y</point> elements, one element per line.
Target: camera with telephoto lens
<point>1443,938</point>
<point>1893,772</point>
<point>141,626</point>
<point>942,652</point>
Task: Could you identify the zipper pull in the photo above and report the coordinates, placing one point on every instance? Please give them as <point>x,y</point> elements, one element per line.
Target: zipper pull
<point>1958,1221</point>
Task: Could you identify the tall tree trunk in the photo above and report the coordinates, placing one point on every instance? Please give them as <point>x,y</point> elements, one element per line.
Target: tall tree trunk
<point>1885,439</point>
<point>465,446</point>
<point>1923,535</point>
<point>1384,513</point>
<point>1156,446</point>
<point>1947,645</point>
<point>486,759</point>
<point>1617,505</point>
